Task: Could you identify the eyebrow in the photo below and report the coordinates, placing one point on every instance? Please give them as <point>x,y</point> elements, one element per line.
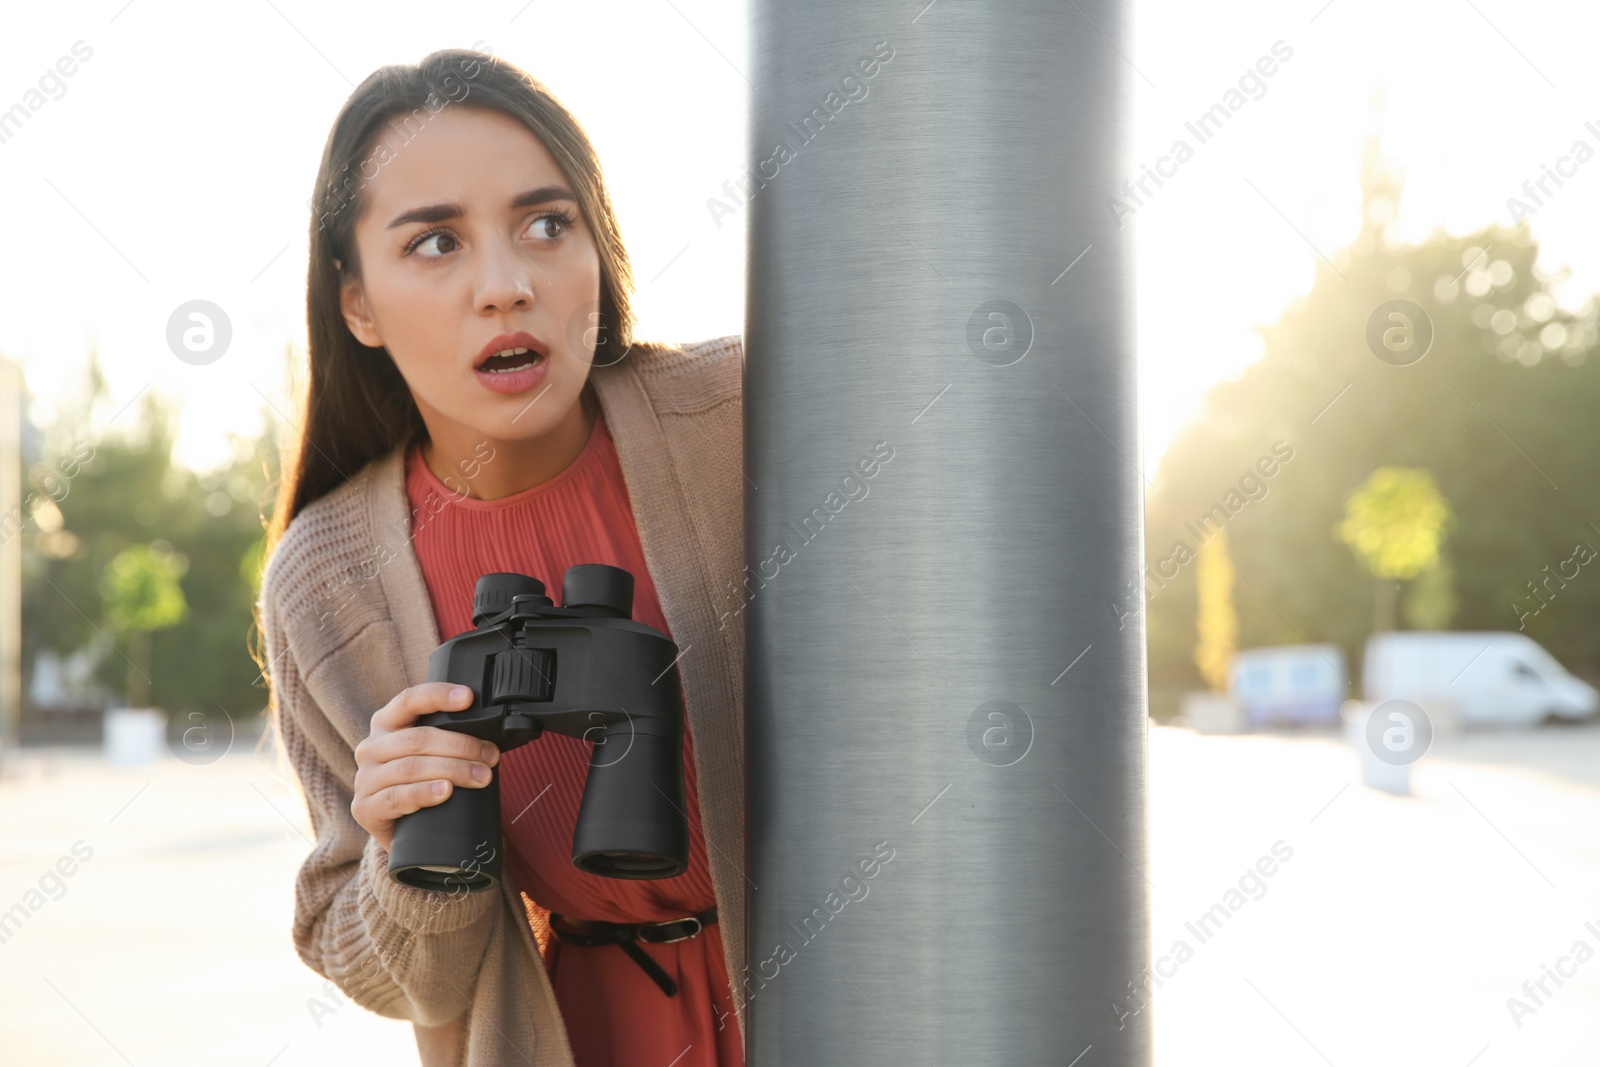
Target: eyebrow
<point>446,211</point>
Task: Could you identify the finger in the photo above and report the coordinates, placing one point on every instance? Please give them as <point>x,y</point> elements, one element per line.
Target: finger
<point>422,699</point>
<point>400,800</point>
<point>409,769</point>
<point>429,741</point>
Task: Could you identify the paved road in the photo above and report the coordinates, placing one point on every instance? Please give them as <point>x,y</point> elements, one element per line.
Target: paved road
<point>169,945</point>
<point>1401,925</point>
<point>1393,932</point>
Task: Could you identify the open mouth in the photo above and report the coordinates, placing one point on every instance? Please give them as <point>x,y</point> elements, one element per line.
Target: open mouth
<point>509,360</point>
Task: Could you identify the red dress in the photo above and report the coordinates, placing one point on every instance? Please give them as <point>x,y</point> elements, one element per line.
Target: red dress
<point>615,1015</point>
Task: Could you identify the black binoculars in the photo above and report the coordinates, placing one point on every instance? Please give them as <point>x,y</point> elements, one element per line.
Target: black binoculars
<point>588,670</point>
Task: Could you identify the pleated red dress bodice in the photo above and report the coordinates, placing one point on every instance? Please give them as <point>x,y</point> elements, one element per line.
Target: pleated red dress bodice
<point>615,1015</point>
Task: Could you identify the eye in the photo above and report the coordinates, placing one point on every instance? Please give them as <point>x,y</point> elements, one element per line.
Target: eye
<point>562,222</point>
<point>558,221</point>
<point>428,235</point>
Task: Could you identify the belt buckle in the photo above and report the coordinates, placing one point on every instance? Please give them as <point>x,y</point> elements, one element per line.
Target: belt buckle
<point>698,926</point>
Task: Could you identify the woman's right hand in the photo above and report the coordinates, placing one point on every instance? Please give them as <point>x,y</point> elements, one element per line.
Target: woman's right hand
<point>401,767</point>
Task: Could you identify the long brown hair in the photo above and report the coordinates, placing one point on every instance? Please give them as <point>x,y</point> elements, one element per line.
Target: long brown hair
<point>355,406</point>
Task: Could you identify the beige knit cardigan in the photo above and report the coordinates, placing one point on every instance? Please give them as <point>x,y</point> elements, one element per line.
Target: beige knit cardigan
<point>348,624</point>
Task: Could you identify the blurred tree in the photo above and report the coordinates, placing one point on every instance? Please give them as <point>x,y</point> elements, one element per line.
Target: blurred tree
<point>1430,600</point>
<point>117,488</point>
<point>1218,622</point>
<point>1395,523</point>
<point>140,594</point>
<point>1496,410</point>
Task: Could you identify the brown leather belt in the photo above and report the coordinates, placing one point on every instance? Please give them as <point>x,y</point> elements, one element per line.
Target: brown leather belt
<point>591,932</point>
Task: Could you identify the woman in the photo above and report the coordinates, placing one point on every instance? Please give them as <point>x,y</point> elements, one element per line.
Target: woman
<point>476,403</point>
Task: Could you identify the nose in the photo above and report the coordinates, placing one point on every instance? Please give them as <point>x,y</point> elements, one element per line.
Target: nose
<point>504,279</point>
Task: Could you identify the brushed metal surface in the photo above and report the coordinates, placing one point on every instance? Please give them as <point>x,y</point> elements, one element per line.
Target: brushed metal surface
<point>946,655</point>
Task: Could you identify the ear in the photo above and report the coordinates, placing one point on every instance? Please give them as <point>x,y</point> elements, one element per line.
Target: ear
<point>357,314</point>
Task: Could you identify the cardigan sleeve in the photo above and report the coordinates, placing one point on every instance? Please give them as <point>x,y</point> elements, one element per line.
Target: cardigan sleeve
<point>401,952</point>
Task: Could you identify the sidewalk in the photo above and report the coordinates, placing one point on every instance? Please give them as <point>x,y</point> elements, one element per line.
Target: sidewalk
<point>168,946</point>
<point>1401,925</point>
<point>1392,935</point>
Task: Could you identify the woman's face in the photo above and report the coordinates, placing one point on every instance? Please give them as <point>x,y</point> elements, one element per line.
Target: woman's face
<point>472,242</point>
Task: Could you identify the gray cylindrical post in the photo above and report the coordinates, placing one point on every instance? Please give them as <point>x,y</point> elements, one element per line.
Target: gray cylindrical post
<point>946,724</point>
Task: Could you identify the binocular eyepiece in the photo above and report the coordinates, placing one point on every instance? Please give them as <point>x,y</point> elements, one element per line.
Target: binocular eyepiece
<point>586,669</point>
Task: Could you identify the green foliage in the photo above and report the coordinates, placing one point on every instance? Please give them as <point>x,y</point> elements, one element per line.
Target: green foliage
<point>139,590</point>
<point>1396,522</point>
<point>130,502</point>
<point>1497,412</point>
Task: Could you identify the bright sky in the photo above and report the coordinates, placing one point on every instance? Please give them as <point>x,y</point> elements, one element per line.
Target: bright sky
<point>177,163</point>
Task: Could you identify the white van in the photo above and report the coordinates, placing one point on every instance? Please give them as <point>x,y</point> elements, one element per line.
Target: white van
<point>1303,684</point>
<point>1489,679</point>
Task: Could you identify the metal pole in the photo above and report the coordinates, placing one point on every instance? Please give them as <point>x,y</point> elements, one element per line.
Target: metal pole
<point>946,722</point>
